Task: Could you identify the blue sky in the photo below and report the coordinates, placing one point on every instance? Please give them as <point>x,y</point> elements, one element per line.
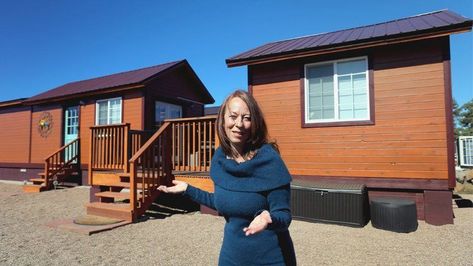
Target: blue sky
<point>44,44</point>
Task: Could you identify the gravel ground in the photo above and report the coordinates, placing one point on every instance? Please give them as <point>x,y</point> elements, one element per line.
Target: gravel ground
<point>194,238</point>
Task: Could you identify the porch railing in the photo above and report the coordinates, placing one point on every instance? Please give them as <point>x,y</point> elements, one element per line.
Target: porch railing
<point>111,147</point>
<point>108,147</point>
<point>61,159</point>
<point>150,167</point>
<point>194,142</point>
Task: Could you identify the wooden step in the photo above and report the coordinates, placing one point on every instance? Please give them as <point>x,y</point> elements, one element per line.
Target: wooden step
<point>37,180</point>
<point>111,210</point>
<point>106,177</point>
<point>112,184</point>
<point>33,188</point>
<point>116,184</point>
<point>114,195</point>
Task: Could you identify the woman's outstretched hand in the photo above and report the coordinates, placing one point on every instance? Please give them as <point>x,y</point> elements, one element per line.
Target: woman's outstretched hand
<point>179,187</point>
<point>258,224</point>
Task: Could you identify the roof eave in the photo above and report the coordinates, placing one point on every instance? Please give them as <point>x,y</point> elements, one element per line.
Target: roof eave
<point>84,94</point>
<point>399,38</point>
<point>11,103</point>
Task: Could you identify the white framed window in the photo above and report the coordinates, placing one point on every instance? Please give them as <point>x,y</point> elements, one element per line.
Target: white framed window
<point>337,91</point>
<point>108,111</point>
<point>466,150</point>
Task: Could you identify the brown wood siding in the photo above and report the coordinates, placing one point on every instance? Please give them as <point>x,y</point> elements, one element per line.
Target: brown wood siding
<point>15,135</point>
<point>173,84</point>
<point>86,120</point>
<point>133,110</point>
<point>408,139</point>
<point>41,147</point>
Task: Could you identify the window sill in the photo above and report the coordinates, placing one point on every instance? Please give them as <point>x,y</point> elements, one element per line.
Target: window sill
<point>338,124</point>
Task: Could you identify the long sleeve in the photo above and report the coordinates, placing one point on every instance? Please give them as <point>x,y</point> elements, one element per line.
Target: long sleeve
<point>279,208</point>
<point>200,196</point>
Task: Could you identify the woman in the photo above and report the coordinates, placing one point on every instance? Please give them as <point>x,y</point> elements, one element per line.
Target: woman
<point>252,188</point>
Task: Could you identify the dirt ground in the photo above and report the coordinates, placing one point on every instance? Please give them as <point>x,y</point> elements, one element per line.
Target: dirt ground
<point>464,181</point>
<point>170,237</point>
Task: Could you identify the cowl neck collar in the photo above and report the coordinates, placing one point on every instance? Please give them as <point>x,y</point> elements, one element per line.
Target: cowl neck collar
<point>265,171</point>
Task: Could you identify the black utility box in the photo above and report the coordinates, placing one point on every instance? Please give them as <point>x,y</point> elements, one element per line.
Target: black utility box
<point>345,204</point>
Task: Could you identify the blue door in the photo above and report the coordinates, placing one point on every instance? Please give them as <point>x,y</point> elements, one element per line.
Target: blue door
<point>71,128</point>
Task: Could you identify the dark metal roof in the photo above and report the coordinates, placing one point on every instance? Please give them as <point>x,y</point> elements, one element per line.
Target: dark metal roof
<point>129,78</point>
<point>419,24</point>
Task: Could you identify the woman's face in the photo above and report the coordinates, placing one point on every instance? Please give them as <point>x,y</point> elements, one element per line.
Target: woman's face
<point>237,123</point>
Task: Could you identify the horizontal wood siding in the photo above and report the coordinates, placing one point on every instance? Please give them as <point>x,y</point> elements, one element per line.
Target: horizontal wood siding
<point>133,110</point>
<point>176,83</point>
<point>408,139</point>
<point>86,119</point>
<point>15,135</point>
<point>41,147</point>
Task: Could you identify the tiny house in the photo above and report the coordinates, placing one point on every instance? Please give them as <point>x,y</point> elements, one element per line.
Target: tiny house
<point>53,129</point>
<point>369,105</point>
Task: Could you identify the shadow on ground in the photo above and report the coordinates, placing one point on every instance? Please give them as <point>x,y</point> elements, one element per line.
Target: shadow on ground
<point>167,205</point>
<point>461,202</point>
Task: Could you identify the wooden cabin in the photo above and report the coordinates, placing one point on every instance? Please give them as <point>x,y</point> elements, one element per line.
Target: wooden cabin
<point>51,134</point>
<point>369,105</point>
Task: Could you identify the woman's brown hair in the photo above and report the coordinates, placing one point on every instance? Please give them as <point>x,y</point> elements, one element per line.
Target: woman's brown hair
<point>259,131</point>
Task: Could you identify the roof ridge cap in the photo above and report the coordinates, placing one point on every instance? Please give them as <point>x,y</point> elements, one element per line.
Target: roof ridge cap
<point>359,27</point>
<point>127,71</point>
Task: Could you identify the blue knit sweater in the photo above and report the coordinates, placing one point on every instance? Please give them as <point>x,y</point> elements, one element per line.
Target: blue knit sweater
<point>242,191</point>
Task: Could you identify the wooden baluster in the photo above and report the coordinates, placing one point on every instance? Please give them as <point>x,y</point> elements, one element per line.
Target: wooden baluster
<point>133,186</point>
<point>99,147</point>
<point>211,138</point>
<point>153,165</point>
<point>115,148</point>
<point>199,143</point>
<point>178,146</point>
<point>205,146</point>
<point>173,148</point>
<point>188,146</point>
<point>91,157</point>
<point>167,169</point>
<point>192,155</point>
<point>127,128</point>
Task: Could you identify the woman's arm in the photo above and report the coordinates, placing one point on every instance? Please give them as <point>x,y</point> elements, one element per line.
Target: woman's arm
<point>280,208</point>
<point>278,218</point>
<point>197,195</point>
<point>200,196</point>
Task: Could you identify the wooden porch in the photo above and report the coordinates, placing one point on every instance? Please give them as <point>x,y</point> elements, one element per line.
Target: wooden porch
<point>127,166</point>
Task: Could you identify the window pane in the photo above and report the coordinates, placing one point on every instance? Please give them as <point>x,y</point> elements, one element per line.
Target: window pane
<point>165,110</point>
<point>115,116</point>
<point>321,92</point>
<point>109,112</point>
<point>102,109</point>
<point>351,67</point>
<point>352,93</point>
<point>160,113</point>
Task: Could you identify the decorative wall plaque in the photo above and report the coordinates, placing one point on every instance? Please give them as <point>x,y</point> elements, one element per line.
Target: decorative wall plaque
<point>45,124</point>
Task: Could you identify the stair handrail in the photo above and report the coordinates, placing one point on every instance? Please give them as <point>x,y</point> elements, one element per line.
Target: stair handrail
<point>152,173</point>
<point>56,162</point>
